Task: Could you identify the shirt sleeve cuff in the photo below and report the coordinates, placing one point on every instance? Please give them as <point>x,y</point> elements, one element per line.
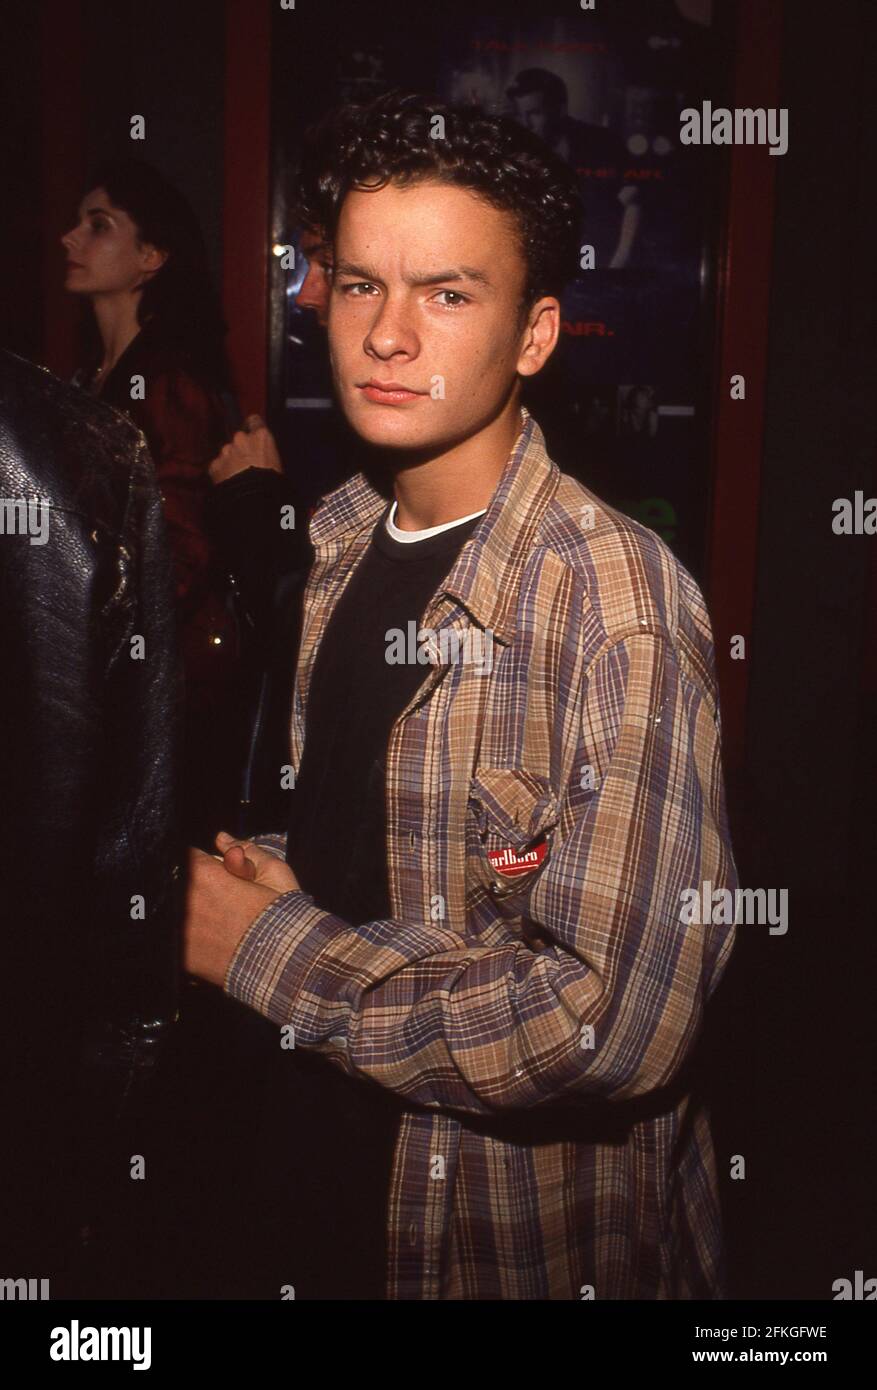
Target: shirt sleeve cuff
<point>273,957</point>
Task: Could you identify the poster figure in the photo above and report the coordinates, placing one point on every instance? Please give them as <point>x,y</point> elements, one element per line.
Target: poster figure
<point>638,415</point>
<point>612,208</point>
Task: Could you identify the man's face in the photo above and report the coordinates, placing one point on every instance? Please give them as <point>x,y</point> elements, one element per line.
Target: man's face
<point>532,111</point>
<point>314,293</point>
<point>426,295</point>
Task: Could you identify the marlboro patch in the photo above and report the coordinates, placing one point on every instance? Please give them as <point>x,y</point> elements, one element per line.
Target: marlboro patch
<point>507,862</point>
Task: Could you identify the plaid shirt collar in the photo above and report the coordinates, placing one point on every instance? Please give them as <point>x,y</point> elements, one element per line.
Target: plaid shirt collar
<point>484,578</point>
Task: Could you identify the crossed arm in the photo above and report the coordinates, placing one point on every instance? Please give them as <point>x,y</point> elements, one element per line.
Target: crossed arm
<point>610,1008</point>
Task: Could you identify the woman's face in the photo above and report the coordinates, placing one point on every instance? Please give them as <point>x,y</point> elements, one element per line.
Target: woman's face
<point>104,255</point>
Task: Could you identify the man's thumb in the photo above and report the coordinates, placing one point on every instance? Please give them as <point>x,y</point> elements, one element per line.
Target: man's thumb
<point>237,863</point>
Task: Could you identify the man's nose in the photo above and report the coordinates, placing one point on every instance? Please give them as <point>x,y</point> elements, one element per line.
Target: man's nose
<point>391,330</point>
<point>313,289</point>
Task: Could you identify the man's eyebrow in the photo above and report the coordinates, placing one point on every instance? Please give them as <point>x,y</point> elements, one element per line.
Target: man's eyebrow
<point>364,272</point>
<point>89,212</point>
<point>435,277</point>
<point>460,272</point>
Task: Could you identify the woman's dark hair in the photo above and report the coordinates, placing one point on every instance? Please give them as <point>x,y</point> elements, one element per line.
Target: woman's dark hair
<point>396,138</point>
<point>179,301</point>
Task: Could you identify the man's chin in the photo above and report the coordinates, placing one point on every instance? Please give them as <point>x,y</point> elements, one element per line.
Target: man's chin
<point>386,428</point>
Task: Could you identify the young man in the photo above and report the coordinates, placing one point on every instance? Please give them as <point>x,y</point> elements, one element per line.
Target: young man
<point>480,913</point>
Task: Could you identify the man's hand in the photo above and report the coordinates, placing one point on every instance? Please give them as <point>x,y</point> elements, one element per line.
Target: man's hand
<point>251,447</point>
<point>246,860</point>
<point>219,909</point>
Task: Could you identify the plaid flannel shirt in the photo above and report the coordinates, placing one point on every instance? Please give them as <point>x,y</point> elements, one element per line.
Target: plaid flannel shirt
<point>537,1024</point>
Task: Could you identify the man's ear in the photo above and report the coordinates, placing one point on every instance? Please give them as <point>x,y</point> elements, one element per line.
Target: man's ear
<point>540,335</point>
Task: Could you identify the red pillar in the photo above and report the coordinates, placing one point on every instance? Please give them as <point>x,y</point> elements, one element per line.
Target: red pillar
<point>62,156</point>
<point>743,322</point>
<point>246,195</point>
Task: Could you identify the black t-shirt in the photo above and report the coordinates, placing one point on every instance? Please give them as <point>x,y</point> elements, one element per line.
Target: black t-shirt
<point>338,1133</point>
<point>336,841</point>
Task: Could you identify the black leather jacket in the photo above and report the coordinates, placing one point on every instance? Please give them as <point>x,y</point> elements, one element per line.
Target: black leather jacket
<point>266,569</point>
<point>90,862</point>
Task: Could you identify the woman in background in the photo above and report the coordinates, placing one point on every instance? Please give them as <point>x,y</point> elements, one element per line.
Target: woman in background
<point>153,347</point>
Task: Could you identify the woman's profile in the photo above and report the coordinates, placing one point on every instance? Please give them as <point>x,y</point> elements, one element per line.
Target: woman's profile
<point>153,347</point>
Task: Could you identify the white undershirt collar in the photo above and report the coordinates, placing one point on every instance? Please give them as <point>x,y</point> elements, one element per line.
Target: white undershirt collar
<point>407,536</point>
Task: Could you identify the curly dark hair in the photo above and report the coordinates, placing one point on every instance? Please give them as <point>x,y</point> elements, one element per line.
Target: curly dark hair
<point>389,140</point>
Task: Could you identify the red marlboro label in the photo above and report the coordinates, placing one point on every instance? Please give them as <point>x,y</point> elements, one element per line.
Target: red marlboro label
<point>506,861</point>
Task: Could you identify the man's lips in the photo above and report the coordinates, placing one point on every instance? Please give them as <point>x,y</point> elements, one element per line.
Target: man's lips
<point>388,392</point>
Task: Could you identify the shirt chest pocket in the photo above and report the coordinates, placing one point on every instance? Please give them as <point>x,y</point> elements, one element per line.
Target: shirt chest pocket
<point>510,817</point>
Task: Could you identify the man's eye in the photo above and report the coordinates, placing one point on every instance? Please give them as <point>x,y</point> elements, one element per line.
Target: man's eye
<point>352,288</point>
<point>461,298</point>
<point>99,226</point>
